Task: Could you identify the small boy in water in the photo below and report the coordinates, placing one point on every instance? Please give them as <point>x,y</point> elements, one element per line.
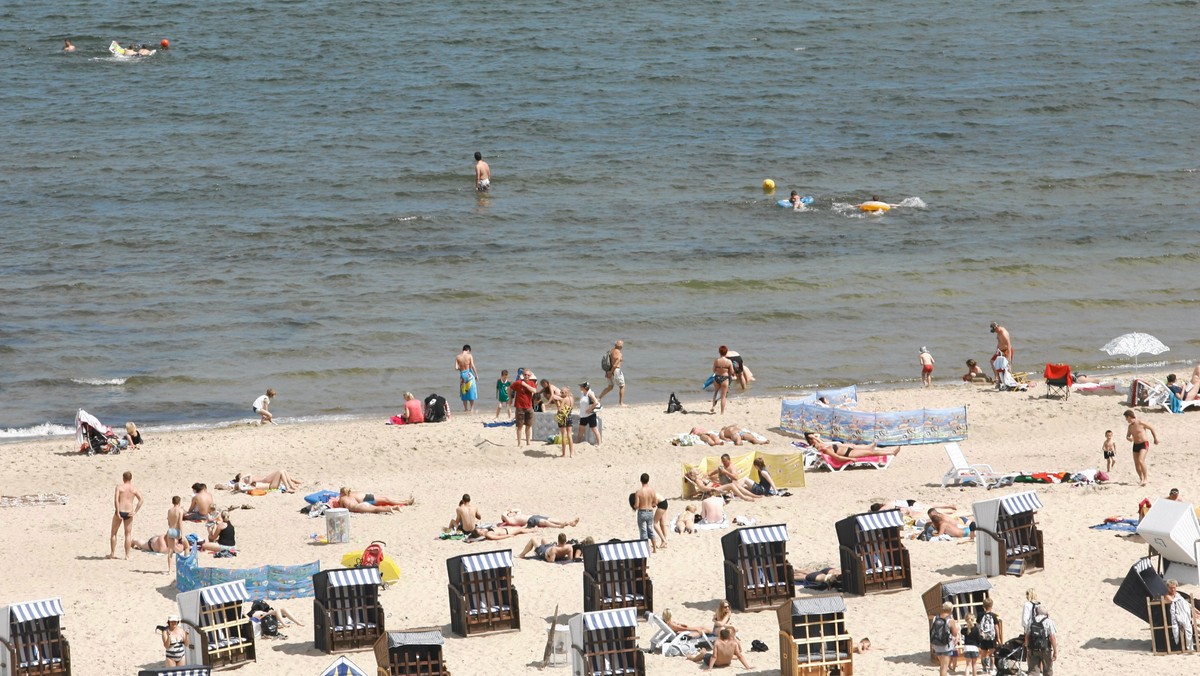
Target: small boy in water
<point>795,200</point>
<point>926,367</point>
<point>502,401</point>
<point>1110,450</point>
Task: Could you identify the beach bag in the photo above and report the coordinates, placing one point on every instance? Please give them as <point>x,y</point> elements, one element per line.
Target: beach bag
<point>939,632</point>
<point>1039,637</point>
<point>606,362</point>
<point>673,405</point>
<point>987,627</point>
<point>269,625</point>
<point>372,556</point>
<point>435,408</point>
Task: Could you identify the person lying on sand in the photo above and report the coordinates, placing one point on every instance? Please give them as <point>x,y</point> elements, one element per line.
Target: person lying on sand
<point>370,503</point>
<point>707,436</point>
<point>501,532</point>
<point>514,517</point>
<point>686,521</point>
<point>277,480</point>
<point>848,451</point>
<point>822,578</point>
<point>739,434</point>
<point>955,527</point>
<point>910,508</point>
<point>552,550</point>
<point>158,545</point>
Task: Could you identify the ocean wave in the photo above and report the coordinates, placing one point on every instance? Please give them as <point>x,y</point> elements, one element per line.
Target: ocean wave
<point>43,430</point>
<point>99,381</point>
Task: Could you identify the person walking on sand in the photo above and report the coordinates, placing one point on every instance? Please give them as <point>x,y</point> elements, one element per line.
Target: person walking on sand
<point>722,374</point>
<point>926,367</point>
<point>1041,642</point>
<point>174,529</point>
<point>483,173</point>
<point>1110,451</point>
<point>127,501</point>
<point>260,407</point>
<point>1003,347</point>
<point>645,502</point>
<point>1137,433</point>
<point>943,637</point>
<point>614,374</point>
<point>468,388</point>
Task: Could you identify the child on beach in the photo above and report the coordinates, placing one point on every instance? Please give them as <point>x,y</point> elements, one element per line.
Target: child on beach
<point>260,407</point>
<point>502,400</point>
<point>975,373</point>
<point>1110,450</point>
<point>926,367</point>
<point>989,624</point>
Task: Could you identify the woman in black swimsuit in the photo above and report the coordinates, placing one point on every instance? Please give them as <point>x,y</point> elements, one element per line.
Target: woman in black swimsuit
<point>848,451</point>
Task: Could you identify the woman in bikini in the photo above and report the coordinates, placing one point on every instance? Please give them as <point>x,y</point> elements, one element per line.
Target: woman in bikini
<point>279,479</point>
<point>704,483</point>
<point>848,451</point>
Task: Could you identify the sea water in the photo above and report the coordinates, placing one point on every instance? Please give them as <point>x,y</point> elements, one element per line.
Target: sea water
<point>285,197</point>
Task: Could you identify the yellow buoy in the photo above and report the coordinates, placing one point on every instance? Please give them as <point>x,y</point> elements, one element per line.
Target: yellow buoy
<point>768,185</point>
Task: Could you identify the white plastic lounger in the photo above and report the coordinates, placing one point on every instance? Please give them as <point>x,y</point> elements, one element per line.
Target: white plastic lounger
<point>962,470</point>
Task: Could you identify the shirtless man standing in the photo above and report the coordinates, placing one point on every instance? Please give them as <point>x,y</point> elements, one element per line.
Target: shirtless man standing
<point>127,501</point>
<point>466,517</point>
<point>645,501</point>
<point>1141,443</point>
<point>468,377</point>
<point>615,376</point>
<point>1003,346</point>
<point>723,372</point>
<point>725,649</point>
<point>483,173</point>
<point>174,529</point>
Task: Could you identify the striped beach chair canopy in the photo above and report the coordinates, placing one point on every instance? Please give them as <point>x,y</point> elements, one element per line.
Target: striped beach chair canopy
<point>624,551</point>
<point>220,594</point>
<point>36,610</point>
<point>195,670</point>
<point>1020,503</point>
<point>487,561</point>
<point>754,535</point>
<point>354,577</point>
<point>879,520</point>
<point>342,666</point>
<point>610,619</point>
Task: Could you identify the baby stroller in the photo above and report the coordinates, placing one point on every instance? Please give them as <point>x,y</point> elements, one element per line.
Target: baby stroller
<point>93,436</point>
<point>1010,657</point>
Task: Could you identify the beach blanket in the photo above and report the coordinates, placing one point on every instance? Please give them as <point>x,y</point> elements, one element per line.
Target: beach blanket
<point>500,423</point>
<point>704,525</point>
<point>1123,525</point>
<point>32,500</point>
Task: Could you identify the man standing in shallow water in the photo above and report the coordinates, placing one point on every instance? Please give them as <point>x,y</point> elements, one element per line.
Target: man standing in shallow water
<point>483,173</point>
<point>468,377</point>
<point>127,501</point>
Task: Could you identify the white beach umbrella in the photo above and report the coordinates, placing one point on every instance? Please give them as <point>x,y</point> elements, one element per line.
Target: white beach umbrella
<point>1133,344</point>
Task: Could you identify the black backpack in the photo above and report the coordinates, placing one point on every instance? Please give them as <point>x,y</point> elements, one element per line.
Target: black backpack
<point>1039,635</point>
<point>606,362</point>
<point>269,625</point>
<point>939,632</point>
<point>435,408</point>
<point>673,405</point>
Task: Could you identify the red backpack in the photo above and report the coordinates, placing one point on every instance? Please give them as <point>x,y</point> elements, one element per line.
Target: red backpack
<point>372,556</point>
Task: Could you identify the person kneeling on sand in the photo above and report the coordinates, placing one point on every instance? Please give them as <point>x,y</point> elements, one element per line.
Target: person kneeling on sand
<point>725,649</point>
<point>369,503</point>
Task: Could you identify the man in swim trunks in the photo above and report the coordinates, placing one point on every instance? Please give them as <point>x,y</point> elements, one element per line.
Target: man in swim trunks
<point>466,517</point>
<point>722,374</point>
<point>725,649</point>
<point>615,376</point>
<point>202,506</point>
<point>174,529</point>
<point>546,550</point>
<point>1137,433</point>
<point>514,517</point>
<point>464,363</point>
<point>127,501</point>
<point>483,173</point>
<point>1003,346</point>
<point>369,503</point>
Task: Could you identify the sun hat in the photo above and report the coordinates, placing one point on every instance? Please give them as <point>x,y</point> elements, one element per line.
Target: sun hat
<point>172,618</point>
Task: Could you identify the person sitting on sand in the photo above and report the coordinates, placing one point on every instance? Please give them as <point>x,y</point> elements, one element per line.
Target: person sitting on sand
<point>414,410</point>
<point>202,506</point>
<point>514,517</point>
<point>766,485</point>
<point>222,532</point>
<point>686,521</point>
<point>848,451</point>
<point>821,578</point>
<point>975,373</point>
<point>552,550</point>
<point>707,436</point>
<point>466,517</point>
<point>277,480</point>
<point>370,503</point>
<point>955,527</point>
<point>723,619</point>
<point>132,435</point>
<point>712,510</point>
<point>703,483</point>
<point>739,434</point>
<point>725,650</point>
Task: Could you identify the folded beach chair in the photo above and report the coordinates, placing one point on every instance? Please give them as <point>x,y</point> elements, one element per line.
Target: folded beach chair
<point>1058,380</point>
<point>961,470</point>
<point>1005,382</point>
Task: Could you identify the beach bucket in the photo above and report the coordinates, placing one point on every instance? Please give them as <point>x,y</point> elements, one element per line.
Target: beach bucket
<point>337,525</point>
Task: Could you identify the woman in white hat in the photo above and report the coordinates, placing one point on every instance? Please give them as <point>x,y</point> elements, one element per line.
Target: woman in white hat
<point>175,640</point>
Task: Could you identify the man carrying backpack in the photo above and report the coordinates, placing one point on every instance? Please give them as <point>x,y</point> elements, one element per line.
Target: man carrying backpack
<point>1041,642</point>
<point>943,637</point>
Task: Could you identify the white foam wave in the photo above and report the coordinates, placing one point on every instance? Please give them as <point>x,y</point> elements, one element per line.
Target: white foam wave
<point>914,202</point>
<point>99,381</point>
<point>43,430</point>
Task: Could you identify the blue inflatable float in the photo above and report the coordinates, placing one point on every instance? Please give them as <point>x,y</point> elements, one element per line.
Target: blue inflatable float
<point>787,204</point>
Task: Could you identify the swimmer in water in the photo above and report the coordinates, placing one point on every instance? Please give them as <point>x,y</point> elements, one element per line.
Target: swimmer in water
<point>67,46</point>
<point>797,204</point>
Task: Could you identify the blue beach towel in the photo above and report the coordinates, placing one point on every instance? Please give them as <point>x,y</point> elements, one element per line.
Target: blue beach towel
<point>1124,525</point>
<point>500,423</point>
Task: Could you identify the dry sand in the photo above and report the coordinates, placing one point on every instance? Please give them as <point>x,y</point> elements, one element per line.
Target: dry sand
<point>113,606</point>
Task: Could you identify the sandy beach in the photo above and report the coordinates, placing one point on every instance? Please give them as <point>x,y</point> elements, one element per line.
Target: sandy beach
<point>112,606</point>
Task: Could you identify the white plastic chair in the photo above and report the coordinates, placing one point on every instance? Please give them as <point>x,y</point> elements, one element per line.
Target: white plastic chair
<point>960,469</point>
